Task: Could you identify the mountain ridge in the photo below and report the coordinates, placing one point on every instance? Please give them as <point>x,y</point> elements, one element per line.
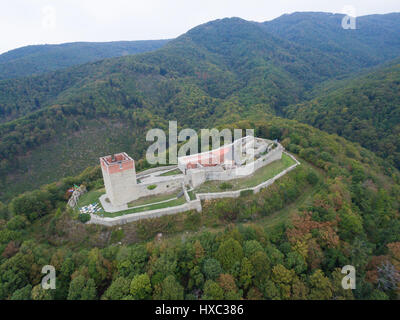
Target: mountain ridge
<point>39,59</point>
<point>222,71</point>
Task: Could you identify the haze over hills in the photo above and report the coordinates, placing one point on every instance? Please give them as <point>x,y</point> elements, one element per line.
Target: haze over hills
<point>221,71</point>
<point>38,59</point>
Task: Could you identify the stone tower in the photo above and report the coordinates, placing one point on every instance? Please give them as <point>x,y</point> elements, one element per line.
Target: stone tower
<point>119,176</point>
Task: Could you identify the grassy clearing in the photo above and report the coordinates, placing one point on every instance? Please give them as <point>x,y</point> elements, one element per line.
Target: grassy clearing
<point>284,215</point>
<point>192,195</point>
<point>152,199</point>
<point>90,197</point>
<point>261,175</point>
<point>148,202</point>
<point>171,173</point>
<point>304,200</point>
<point>172,203</point>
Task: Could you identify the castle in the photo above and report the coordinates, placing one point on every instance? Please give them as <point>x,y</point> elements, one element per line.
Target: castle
<point>238,159</point>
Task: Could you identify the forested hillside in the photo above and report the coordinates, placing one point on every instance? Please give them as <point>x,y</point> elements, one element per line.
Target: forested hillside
<point>375,39</point>
<point>290,241</point>
<point>38,59</point>
<point>365,110</point>
<point>222,71</point>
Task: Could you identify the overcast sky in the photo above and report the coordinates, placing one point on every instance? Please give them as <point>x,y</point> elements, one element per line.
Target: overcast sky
<point>24,22</point>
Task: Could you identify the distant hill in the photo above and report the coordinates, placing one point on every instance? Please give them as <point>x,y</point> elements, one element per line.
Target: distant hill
<point>375,40</point>
<point>37,59</point>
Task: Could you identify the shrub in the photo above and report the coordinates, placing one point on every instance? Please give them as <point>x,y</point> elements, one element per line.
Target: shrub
<point>192,221</point>
<point>212,269</point>
<point>17,223</point>
<point>84,217</point>
<point>228,253</point>
<point>31,204</point>
<point>312,178</point>
<point>245,193</point>
<point>225,186</point>
<point>141,287</point>
<point>212,291</point>
<point>293,148</point>
<point>3,211</point>
<point>152,187</point>
<point>117,236</point>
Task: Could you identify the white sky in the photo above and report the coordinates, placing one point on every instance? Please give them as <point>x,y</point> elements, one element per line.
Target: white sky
<point>24,22</point>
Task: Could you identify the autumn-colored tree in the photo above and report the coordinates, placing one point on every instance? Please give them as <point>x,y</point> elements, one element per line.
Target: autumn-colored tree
<point>199,252</point>
<point>394,253</point>
<point>254,294</point>
<point>315,254</point>
<point>372,268</point>
<point>228,285</point>
<point>304,225</point>
<point>10,250</point>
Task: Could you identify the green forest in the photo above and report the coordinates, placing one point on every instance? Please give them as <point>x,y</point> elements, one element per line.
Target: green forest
<point>331,98</point>
<point>367,110</point>
<point>39,59</point>
<point>287,242</point>
<point>219,72</point>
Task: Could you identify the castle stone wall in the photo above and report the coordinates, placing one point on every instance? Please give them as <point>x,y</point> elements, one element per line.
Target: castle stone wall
<point>152,170</point>
<point>192,205</point>
<point>201,175</point>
